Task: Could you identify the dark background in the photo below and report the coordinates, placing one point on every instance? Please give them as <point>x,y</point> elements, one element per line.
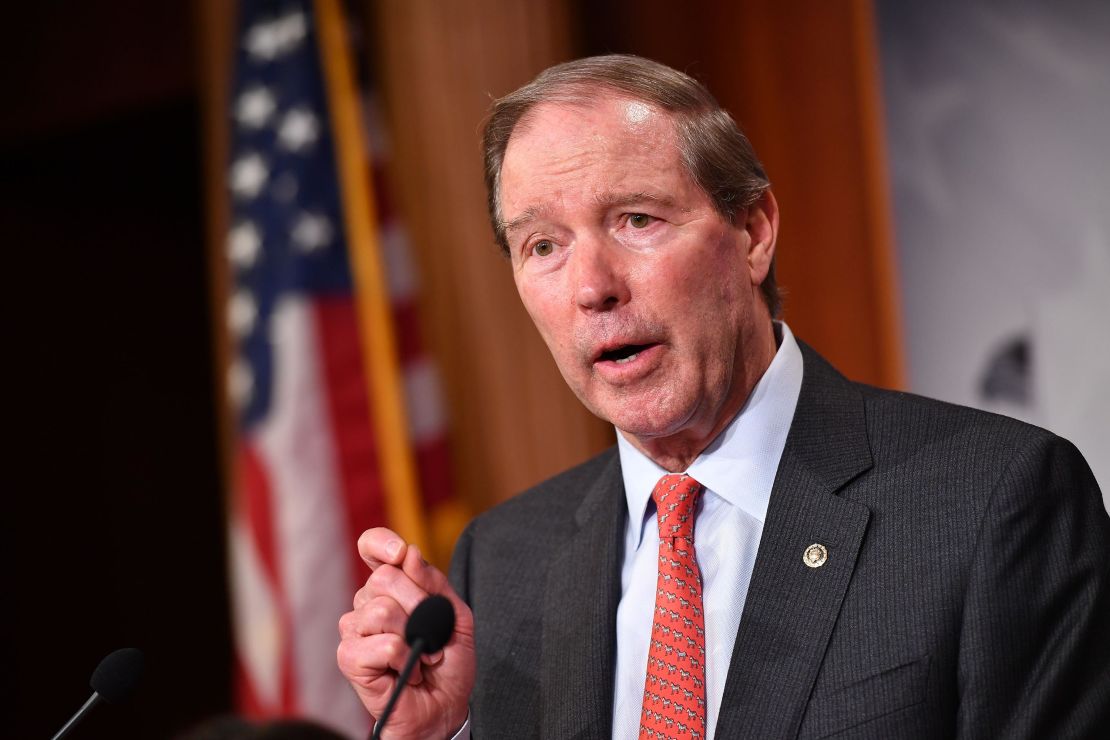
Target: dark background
<point>116,537</point>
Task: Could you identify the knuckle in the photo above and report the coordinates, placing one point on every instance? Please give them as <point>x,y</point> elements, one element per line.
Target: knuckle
<point>378,612</point>
<point>384,577</point>
<point>345,622</point>
<point>343,658</point>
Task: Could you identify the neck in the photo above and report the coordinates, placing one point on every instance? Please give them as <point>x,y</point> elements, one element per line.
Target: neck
<point>675,452</point>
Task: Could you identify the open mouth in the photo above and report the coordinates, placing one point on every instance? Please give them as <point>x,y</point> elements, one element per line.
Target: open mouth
<point>624,353</point>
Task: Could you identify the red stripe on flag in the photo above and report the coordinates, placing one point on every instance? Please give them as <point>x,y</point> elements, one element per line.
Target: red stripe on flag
<point>433,460</point>
<point>246,700</point>
<point>255,487</point>
<point>349,413</point>
<point>290,703</point>
<point>382,195</point>
<point>406,320</point>
<point>258,514</point>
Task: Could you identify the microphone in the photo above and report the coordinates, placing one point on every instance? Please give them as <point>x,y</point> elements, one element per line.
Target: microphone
<point>428,629</point>
<point>112,681</point>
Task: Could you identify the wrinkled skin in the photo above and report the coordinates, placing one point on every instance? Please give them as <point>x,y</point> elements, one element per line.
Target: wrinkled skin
<point>372,648</point>
<point>614,244</point>
<point>649,302</point>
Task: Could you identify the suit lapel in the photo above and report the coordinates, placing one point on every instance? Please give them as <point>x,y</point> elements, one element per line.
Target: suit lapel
<point>579,623</point>
<point>791,608</point>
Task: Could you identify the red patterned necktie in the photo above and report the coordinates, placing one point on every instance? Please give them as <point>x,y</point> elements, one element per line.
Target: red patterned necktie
<point>674,693</point>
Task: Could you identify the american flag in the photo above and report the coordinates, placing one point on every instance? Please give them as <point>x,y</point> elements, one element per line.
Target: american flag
<point>308,473</point>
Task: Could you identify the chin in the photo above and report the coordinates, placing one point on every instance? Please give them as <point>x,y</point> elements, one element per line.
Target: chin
<point>646,423</point>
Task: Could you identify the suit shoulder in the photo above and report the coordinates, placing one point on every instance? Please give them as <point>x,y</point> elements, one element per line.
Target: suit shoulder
<point>549,503</point>
<point>899,419</point>
<point>903,425</point>
<point>950,450</point>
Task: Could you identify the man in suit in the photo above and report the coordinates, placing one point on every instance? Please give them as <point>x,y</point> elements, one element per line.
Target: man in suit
<point>770,550</point>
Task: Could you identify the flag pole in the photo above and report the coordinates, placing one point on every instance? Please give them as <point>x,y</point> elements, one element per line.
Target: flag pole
<point>385,386</point>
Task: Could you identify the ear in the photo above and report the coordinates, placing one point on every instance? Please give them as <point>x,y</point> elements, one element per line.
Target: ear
<point>762,224</point>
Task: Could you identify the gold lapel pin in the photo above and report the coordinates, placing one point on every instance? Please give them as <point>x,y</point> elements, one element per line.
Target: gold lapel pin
<point>815,555</point>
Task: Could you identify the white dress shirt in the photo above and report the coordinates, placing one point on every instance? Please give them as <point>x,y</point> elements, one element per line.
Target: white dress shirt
<point>737,471</point>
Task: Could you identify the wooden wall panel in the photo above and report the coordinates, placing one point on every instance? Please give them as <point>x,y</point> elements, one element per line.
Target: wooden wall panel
<point>215,43</point>
<point>802,80</point>
<point>513,420</point>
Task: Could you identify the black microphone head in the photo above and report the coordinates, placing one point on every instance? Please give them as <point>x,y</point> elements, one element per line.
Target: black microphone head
<point>118,674</point>
<point>432,621</point>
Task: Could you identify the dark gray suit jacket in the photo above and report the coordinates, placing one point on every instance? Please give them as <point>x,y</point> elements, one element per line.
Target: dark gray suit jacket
<point>966,592</point>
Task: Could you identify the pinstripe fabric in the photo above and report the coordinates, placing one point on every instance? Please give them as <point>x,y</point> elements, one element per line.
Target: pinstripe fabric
<point>966,592</point>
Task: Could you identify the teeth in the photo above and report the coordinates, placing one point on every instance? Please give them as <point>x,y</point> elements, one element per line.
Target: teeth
<point>630,358</point>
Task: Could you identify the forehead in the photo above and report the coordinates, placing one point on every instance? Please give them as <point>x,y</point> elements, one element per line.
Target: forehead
<point>596,120</point>
<point>584,146</point>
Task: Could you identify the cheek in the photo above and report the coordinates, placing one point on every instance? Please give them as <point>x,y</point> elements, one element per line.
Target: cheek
<point>726,270</point>
<point>535,294</point>
<point>713,303</point>
<point>543,304</point>
<point>706,281</point>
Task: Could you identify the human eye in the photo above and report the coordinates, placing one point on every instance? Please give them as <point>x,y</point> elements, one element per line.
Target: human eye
<point>543,248</point>
<point>639,220</point>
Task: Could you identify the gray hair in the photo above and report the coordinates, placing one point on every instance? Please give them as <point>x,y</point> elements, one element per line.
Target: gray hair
<point>716,153</point>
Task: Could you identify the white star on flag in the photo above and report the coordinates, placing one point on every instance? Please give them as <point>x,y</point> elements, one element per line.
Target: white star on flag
<point>242,312</point>
<point>248,175</point>
<point>240,383</point>
<point>299,128</point>
<point>255,107</point>
<point>312,232</point>
<point>243,244</point>
<point>268,40</point>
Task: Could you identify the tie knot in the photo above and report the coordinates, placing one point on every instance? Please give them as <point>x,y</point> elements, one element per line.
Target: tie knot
<point>675,497</point>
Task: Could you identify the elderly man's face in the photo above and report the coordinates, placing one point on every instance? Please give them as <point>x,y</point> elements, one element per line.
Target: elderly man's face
<point>645,295</point>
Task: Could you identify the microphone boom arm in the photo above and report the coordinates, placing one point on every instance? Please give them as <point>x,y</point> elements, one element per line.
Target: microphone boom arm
<point>402,679</point>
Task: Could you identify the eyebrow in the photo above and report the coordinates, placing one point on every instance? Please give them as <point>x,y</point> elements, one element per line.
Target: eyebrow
<point>528,214</point>
<point>605,200</point>
<point>616,200</point>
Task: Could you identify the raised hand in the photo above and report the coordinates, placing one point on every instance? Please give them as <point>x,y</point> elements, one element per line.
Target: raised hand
<point>372,648</point>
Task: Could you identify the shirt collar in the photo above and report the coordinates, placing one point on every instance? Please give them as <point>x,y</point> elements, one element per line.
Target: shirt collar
<point>741,463</point>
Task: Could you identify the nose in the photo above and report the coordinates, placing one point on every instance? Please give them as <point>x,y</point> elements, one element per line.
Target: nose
<point>600,277</point>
